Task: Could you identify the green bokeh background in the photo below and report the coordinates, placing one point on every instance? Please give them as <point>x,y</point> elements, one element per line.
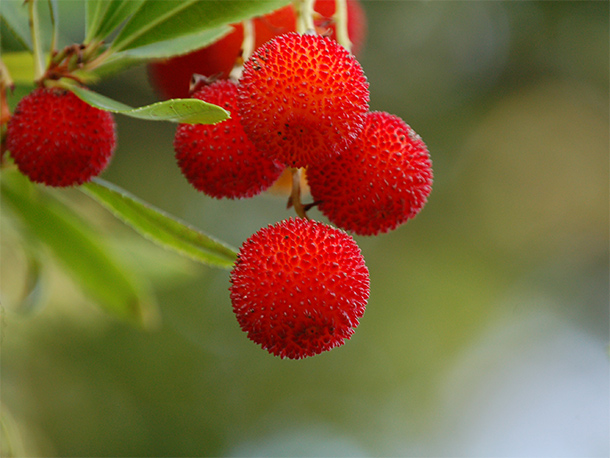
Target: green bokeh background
<point>486,333</point>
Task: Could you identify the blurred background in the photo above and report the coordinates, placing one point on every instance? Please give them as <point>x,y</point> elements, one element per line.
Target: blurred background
<point>486,333</point>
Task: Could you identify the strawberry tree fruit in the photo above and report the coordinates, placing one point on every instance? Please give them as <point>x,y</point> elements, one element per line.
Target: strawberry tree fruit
<point>380,182</point>
<point>302,98</point>
<point>57,139</point>
<point>219,159</point>
<point>171,77</point>
<point>299,287</point>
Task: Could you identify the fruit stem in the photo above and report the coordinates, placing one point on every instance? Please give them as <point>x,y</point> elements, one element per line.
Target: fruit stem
<point>55,32</point>
<point>295,195</point>
<point>34,24</point>
<point>305,13</point>
<point>340,18</point>
<point>247,48</point>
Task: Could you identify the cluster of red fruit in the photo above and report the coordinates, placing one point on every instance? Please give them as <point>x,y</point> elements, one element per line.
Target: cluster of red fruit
<point>301,103</point>
<point>299,287</point>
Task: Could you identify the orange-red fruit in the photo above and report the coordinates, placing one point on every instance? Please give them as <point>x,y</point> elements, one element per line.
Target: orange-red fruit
<point>171,77</point>
<point>57,139</point>
<point>299,288</point>
<point>219,159</point>
<point>302,99</point>
<point>380,182</point>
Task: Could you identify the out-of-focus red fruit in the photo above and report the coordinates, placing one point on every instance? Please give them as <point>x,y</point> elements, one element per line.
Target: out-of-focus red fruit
<point>356,22</point>
<point>171,77</point>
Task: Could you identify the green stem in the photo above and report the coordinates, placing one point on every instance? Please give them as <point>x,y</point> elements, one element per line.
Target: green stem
<point>295,195</point>
<point>54,21</point>
<point>247,48</point>
<point>305,12</point>
<point>34,23</point>
<point>340,18</point>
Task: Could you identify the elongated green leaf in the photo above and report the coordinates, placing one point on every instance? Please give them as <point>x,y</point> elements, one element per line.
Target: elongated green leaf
<point>14,16</point>
<point>159,227</point>
<point>77,247</point>
<point>107,15</point>
<point>190,111</point>
<point>165,20</point>
<point>160,50</point>
<point>94,12</point>
<point>180,45</point>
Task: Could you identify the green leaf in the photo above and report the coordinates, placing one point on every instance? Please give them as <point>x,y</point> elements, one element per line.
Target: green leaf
<point>20,66</point>
<point>159,227</point>
<point>94,12</point>
<point>14,16</point>
<point>190,111</point>
<point>179,45</point>
<point>165,20</point>
<point>104,16</point>
<point>159,50</point>
<point>81,251</point>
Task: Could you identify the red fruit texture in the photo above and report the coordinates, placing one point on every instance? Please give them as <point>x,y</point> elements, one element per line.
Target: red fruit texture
<point>302,99</point>
<point>57,139</point>
<point>380,182</point>
<point>219,159</point>
<point>171,77</point>
<point>299,287</point>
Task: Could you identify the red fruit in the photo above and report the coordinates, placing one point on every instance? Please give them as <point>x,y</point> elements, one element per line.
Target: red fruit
<point>302,99</point>
<point>299,288</point>
<point>171,77</point>
<point>380,182</point>
<point>57,139</point>
<point>218,159</point>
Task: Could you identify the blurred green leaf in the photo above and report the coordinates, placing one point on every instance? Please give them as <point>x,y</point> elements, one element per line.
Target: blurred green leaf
<point>14,16</point>
<point>159,50</point>
<point>81,251</point>
<point>20,66</point>
<point>104,16</point>
<point>179,45</point>
<point>165,20</point>
<point>159,227</point>
<point>191,111</point>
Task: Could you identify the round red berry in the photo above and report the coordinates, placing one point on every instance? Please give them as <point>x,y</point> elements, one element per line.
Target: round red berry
<point>380,182</point>
<point>219,159</point>
<point>302,99</point>
<point>299,287</point>
<point>57,139</point>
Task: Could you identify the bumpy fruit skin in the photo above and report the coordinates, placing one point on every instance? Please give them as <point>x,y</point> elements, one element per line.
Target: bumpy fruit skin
<point>219,159</point>
<point>380,182</point>
<point>57,139</point>
<point>299,288</point>
<point>302,99</point>
<point>171,77</point>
